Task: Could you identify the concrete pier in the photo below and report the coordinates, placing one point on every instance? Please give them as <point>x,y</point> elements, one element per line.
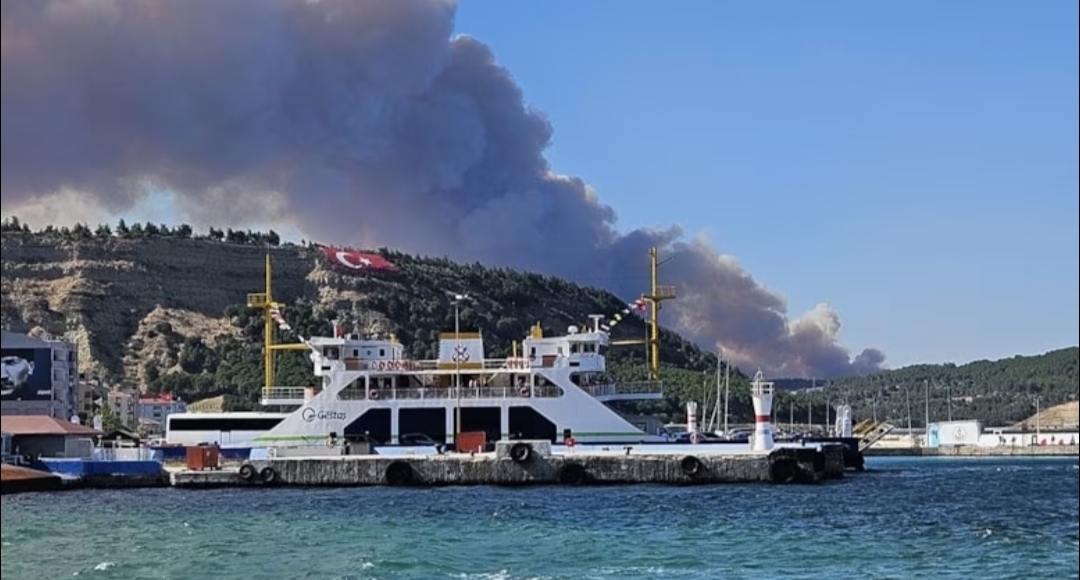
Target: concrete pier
<point>530,463</point>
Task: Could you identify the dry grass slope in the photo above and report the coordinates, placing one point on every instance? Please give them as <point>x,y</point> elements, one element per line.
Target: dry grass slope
<point>1063,416</point>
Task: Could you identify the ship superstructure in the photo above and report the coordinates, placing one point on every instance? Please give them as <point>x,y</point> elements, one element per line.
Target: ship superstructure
<point>555,386</point>
<point>551,387</point>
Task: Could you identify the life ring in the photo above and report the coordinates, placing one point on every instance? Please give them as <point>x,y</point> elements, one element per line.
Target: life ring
<point>783,470</point>
<point>374,394</point>
<point>521,452</point>
<point>268,475</point>
<point>525,391</point>
<point>247,472</point>
<point>571,474</point>
<point>399,473</point>
<point>691,466</point>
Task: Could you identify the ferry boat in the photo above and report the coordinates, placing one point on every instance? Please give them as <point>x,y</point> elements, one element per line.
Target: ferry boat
<point>555,389</point>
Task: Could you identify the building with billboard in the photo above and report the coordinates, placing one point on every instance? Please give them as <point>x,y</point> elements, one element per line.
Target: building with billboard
<point>37,377</point>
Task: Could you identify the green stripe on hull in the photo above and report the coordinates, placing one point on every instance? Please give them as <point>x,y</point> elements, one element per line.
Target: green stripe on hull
<point>317,438</point>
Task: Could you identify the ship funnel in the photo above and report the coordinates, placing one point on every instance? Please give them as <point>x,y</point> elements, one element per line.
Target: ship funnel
<point>762,392</point>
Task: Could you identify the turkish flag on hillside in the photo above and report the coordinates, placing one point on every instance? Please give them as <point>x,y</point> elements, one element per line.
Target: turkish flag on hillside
<point>357,261</point>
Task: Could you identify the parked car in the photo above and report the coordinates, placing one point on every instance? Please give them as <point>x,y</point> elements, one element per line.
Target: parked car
<point>417,439</point>
<point>703,437</point>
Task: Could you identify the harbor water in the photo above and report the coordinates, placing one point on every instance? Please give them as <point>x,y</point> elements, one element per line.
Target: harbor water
<point>939,518</point>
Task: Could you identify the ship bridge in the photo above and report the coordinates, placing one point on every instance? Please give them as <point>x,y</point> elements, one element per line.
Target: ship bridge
<point>581,351</point>
<point>578,356</point>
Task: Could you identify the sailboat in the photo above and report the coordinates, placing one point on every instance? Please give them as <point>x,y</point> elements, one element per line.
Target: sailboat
<point>715,424</point>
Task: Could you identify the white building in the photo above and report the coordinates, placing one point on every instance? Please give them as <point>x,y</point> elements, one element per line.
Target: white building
<point>124,405</point>
<point>155,409</point>
<point>38,377</point>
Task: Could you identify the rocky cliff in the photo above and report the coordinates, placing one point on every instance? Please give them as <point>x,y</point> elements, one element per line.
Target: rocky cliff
<point>131,301</point>
<point>106,293</point>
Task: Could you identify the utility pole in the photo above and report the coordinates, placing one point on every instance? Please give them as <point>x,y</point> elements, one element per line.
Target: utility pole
<point>926,384</point>
<point>828,405</point>
<point>907,397</point>
<point>948,393</point>
<point>1038,421</point>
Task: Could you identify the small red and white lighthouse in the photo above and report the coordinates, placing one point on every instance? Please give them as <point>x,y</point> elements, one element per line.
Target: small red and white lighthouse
<point>692,420</point>
<point>762,392</point>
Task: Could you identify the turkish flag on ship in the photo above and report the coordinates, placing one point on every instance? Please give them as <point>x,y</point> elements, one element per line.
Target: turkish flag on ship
<point>353,260</point>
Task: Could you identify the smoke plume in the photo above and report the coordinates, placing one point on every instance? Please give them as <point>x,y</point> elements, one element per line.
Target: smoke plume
<point>355,122</point>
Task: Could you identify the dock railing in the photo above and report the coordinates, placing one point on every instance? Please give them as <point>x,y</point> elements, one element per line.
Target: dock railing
<point>125,454</point>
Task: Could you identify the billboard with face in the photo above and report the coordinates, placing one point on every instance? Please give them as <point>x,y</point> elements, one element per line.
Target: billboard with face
<point>26,374</point>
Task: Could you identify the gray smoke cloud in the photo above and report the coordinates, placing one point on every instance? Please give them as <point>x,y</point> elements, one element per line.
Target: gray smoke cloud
<point>358,122</point>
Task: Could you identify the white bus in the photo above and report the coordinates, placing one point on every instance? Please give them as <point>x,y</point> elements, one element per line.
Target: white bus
<point>235,429</point>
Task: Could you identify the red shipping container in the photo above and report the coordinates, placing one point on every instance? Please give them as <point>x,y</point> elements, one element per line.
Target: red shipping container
<point>202,457</point>
<point>471,441</point>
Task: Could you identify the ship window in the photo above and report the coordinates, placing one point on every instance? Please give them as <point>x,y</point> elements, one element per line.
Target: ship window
<point>382,352</point>
<point>224,424</point>
<point>356,352</point>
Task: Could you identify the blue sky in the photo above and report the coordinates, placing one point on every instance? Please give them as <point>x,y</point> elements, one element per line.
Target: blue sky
<point>912,163</point>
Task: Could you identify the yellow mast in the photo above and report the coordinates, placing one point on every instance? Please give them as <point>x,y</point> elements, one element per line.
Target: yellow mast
<point>656,295</point>
<point>265,302</point>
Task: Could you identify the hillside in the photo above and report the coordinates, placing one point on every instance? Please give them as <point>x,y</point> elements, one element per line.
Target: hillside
<point>1000,392</point>
<point>163,310</point>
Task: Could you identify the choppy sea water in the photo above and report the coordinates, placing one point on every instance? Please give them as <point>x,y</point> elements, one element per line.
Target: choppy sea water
<point>904,518</point>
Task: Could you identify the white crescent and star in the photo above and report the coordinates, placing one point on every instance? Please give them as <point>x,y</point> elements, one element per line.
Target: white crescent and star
<point>343,258</point>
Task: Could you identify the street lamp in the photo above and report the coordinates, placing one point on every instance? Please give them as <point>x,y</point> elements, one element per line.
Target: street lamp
<point>457,298</point>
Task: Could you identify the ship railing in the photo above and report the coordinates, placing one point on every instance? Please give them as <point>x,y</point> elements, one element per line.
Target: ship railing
<point>627,388</point>
<point>666,292</point>
<point>445,393</point>
<point>408,365</point>
<point>284,393</point>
